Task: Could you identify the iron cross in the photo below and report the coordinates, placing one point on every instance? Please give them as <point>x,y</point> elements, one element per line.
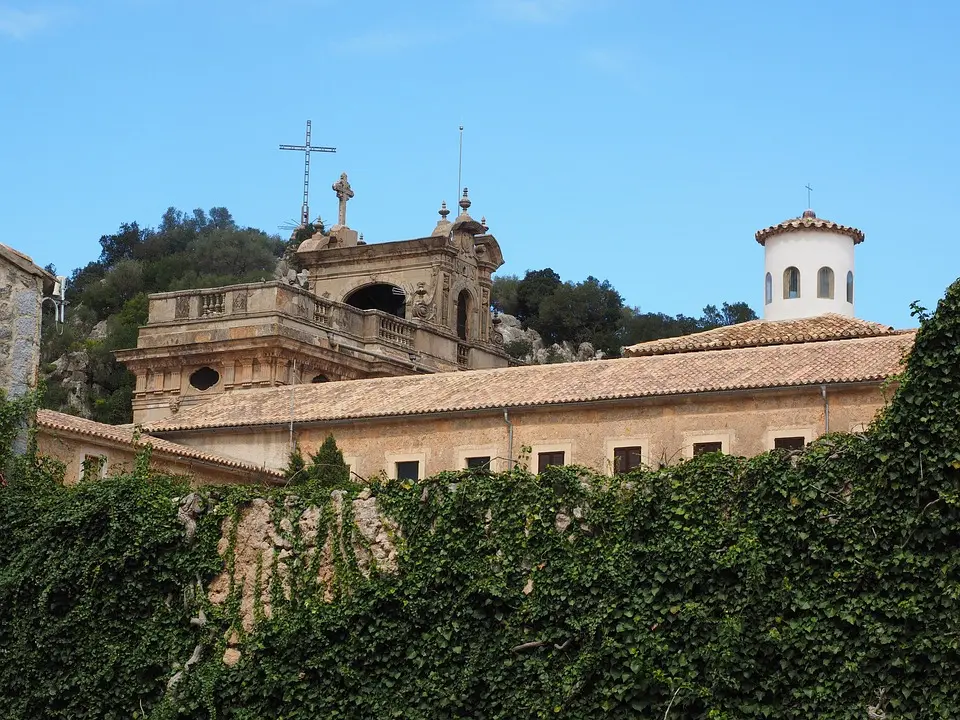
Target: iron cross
<point>307,148</point>
<point>809,190</point>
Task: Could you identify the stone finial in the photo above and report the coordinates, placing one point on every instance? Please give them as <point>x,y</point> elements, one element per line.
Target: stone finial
<point>808,213</point>
<point>465,202</point>
<point>483,223</point>
<point>443,227</point>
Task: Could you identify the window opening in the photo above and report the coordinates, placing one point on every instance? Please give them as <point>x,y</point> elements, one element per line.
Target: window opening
<point>546,459</point>
<point>768,289</point>
<point>204,378</point>
<point>626,459</point>
<point>791,283</point>
<point>463,312</point>
<point>92,467</point>
<point>707,447</point>
<point>408,470</point>
<point>320,379</point>
<point>789,443</point>
<point>850,287</point>
<point>480,463</point>
<point>825,283</point>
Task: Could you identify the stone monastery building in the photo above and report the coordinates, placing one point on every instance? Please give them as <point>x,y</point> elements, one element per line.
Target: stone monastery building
<point>393,349</point>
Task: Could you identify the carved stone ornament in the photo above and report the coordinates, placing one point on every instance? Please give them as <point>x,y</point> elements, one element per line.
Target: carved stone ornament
<point>497,337</point>
<point>240,301</point>
<point>183,307</point>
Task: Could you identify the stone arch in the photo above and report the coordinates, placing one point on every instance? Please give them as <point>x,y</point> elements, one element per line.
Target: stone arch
<point>383,296</point>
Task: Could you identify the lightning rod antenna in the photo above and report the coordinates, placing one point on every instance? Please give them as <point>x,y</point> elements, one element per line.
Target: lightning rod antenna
<point>460,164</point>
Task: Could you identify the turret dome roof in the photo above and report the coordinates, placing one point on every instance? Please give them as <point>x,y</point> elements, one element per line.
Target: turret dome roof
<point>809,221</point>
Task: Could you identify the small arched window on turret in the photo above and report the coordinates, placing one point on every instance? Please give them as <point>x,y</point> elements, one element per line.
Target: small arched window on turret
<point>768,289</point>
<point>791,283</point>
<point>850,287</point>
<point>825,283</point>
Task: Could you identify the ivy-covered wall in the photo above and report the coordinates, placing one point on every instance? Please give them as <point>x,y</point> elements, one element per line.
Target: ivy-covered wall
<point>823,583</point>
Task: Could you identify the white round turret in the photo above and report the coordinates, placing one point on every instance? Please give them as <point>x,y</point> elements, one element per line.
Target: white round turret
<point>808,268</point>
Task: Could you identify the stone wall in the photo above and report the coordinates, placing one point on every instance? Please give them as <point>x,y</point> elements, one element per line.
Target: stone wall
<point>21,292</point>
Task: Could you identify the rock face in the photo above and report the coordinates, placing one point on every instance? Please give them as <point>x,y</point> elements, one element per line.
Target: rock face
<point>516,338</point>
<point>72,373</point>
<point>270,547</point>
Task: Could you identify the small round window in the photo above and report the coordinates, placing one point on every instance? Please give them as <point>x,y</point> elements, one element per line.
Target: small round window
<point>204,378</point>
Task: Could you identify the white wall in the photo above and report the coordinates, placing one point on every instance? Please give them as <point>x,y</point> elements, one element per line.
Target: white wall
<point>808,251</point>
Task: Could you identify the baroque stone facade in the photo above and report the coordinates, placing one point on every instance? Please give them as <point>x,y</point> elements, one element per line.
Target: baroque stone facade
<point>356,311</point>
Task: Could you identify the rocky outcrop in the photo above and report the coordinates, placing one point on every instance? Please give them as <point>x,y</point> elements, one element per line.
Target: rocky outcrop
<point>526,345</point>
<point>71,374</point>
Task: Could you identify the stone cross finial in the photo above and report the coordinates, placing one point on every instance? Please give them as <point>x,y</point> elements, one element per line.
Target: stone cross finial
<point>344,192</point>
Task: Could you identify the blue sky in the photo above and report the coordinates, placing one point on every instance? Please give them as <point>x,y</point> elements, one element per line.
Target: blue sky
<point>639,142</point>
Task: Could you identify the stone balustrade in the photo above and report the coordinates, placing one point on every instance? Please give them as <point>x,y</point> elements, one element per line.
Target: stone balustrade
<point>397,331</point>
<point>243,304</point>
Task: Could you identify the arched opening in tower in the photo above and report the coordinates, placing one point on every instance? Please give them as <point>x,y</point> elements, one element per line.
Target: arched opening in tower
<point>463,312</point>
<point>379,296</point>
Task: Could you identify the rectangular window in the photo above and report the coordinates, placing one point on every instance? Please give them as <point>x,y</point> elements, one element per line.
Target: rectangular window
<point>92,467</point>
<point>789,443</point>
<point>545,459</point>
<point>408,470</point>
<point>626,459</point>
<point>480,463</point>
<point>707,447</point>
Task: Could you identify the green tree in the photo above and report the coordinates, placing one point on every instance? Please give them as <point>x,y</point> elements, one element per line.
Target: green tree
<point>590,311</point>
<point>121,245</point>
<point>503,294</point>
<point>326,468</point>
<point>531,291</point>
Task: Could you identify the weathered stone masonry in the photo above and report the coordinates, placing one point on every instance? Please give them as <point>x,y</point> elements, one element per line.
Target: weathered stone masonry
<point>22,285</point>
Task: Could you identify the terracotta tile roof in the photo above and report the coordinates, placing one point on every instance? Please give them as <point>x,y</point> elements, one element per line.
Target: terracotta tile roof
<point>836,361</point>
<point>829,326</point>
<point>123,434</point>
<point>809,221</point>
